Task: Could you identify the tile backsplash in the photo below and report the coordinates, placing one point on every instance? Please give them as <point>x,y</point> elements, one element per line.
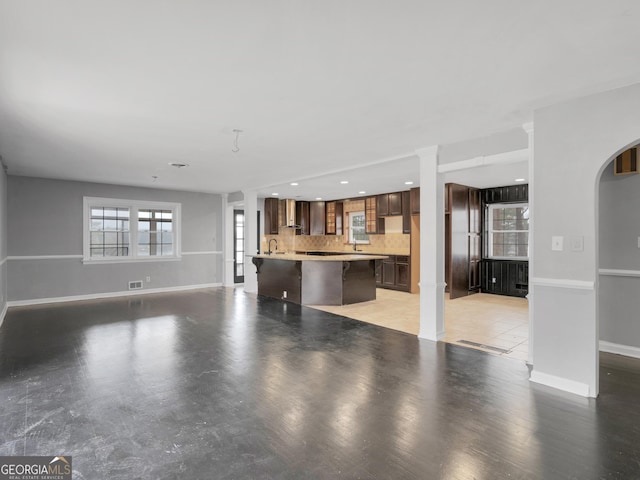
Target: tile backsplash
<point>288,241</point>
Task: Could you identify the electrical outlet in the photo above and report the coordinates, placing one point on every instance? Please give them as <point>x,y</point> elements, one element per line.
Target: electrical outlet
<point>284,294</point>
<point>493,280</point>
<point>148,279</point>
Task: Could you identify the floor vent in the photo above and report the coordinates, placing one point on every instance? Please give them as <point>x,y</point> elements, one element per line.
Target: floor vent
<point>486,347</point>
<point>135,284</point>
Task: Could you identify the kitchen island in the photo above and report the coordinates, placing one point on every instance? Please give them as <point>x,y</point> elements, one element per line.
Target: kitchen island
<point>317,280</point>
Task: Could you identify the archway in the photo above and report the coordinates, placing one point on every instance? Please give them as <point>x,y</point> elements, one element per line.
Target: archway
<point>618,302</point>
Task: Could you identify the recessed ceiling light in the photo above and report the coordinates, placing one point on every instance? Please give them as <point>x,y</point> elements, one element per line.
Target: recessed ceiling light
<point>519,180</point>
<point>344,182</point>
<point>178,165</point>
<point>275,194</point>
<point>294,184</point>
<point>408,183</point>
<point>318,198</point>
<point>362,192</point>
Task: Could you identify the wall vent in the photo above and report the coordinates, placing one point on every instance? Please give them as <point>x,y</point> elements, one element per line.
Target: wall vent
<point>135,284</point>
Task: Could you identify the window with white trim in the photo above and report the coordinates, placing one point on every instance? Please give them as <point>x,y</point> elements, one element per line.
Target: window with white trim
<point>508,231</point>
<point>357,228</point>
<point>117,230</point>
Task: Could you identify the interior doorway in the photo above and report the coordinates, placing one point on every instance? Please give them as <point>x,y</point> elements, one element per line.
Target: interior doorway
<point>618,262</point>
<point>238,246</point>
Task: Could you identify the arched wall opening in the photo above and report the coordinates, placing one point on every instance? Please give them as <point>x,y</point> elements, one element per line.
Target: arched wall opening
<point>573,142</point>
<point>618,232</point>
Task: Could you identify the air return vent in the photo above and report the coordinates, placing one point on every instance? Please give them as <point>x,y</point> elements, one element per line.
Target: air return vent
<point>135,284</point>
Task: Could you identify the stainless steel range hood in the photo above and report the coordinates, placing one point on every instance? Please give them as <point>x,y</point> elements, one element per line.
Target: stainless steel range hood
<point>289,213</point>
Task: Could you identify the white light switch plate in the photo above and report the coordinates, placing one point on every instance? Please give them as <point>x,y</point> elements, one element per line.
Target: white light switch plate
<point>557,243</point>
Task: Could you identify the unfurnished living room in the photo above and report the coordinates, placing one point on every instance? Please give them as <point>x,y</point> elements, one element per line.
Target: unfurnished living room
<point>318,240</point>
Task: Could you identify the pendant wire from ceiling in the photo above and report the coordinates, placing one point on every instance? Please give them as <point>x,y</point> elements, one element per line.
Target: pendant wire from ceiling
<point>236,148</point>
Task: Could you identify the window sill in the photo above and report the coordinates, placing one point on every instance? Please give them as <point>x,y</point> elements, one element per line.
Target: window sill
<point>92,261</point>
<point>518,259</point>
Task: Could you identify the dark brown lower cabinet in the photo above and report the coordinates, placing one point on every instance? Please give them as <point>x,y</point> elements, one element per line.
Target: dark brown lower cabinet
<point>505,277</point>
<point>388,273</point>
<point>403,276</point>
<point>394,273</point>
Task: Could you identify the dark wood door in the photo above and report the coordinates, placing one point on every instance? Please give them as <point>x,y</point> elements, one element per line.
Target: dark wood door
<point>406,212</point>
<point>339,217</point>
<point>389,272</point>
<point>317,218</point>
<point>271,216</point>
<point>459,225</point>
<point>302,218</point>
<point>395,204</point>
<point>383,205</point>
<point>415,201</point>
<point>474,239</point>
<point>402,272</point>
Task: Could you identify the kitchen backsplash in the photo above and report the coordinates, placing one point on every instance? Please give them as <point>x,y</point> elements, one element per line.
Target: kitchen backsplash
<point>288,241</point>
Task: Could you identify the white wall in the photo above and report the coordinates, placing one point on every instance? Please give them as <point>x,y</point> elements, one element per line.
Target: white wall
<point>45,219</point>
<point>3,244</point>
<point>573,142</point>
<point>619,229</point>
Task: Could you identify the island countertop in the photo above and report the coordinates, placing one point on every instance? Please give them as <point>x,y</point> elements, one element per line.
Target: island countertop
<point>296,257</point>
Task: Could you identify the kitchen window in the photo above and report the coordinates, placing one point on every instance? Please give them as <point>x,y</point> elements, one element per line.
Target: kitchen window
<point>117,230</point>
<point>508,231</point>
<point>357,227</point>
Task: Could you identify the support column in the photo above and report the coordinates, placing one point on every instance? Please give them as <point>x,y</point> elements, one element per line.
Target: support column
<point>228,247</point>
<point>431,246</point>
<point>528,127</point>
<point>250,240</point>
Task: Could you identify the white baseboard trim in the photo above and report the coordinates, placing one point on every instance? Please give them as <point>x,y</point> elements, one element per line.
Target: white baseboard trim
<point>560,383</point>
<point>3,313</point>
<point>619,349</point>
<point>97,296</point>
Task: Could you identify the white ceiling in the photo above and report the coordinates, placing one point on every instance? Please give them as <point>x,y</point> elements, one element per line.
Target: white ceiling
<point>114,91</point>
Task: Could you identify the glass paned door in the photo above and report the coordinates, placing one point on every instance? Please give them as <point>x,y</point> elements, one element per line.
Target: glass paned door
<point>238,246</point>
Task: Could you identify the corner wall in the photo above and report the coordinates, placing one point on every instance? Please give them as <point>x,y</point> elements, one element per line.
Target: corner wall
<point>45,242</point>
<point>573,142</point>
<point>3,244</point>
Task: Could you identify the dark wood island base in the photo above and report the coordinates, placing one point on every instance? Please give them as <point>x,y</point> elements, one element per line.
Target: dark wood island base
<point>311,280</point>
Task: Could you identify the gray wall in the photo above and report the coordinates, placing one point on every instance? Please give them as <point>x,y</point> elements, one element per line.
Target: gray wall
<point>45,218</point>
<point>3,242</point>
<point>573,142</point>
<point>619,230</point>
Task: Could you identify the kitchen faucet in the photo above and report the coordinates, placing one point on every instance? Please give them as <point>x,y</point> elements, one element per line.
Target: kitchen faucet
<point>272,240</point>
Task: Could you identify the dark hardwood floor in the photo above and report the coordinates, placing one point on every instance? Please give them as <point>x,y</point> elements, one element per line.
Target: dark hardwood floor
<point>217,384</point>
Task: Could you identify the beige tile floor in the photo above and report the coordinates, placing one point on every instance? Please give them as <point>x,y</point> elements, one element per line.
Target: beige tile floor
<point>489,320</point>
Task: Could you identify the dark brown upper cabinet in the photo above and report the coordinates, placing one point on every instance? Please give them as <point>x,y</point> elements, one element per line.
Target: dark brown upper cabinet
<point>334,214</point>
<point>406,212</point>
<point>271,216</point>
<point>415,201</point>
<point>382,205</point>
<point>389,204</point>
<point>395,204</point>
<point>302,218</point>
<point>373,224</point>
<point>317,218</point>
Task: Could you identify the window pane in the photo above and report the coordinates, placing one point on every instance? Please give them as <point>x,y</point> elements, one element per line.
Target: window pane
<point>509,230</point>
<point>155,232</point>
<point>107,228</point>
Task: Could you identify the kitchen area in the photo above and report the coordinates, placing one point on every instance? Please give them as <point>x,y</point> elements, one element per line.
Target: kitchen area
<point>384,231</point>
<point>384,228</point>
